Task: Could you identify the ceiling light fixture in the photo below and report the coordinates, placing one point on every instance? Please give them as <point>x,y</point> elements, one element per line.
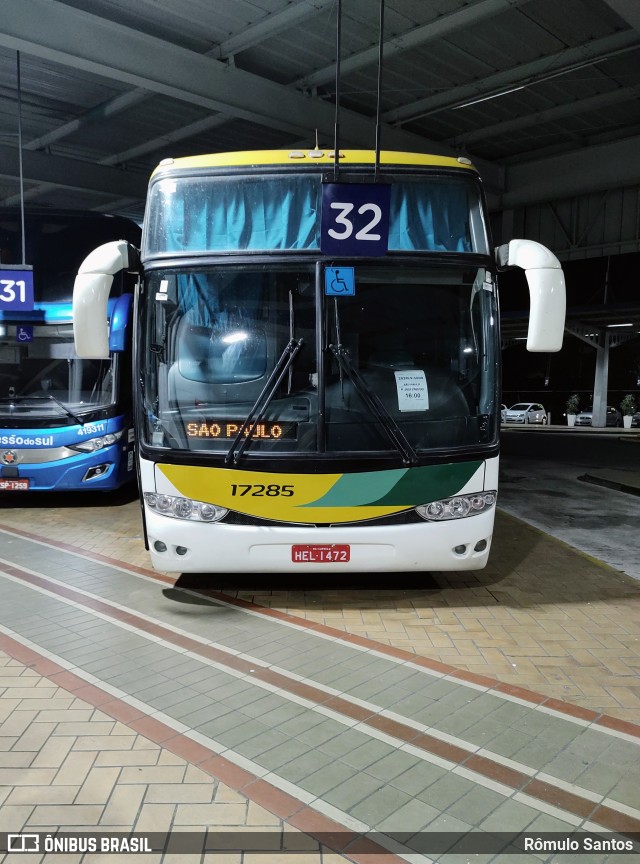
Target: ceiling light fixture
<point>491,96</point>
<point>531,82</point>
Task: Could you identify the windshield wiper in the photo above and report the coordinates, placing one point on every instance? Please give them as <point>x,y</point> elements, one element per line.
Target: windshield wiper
<point>48,398</point>
<point>67,411</point>
<point>263,401</point>
<point>375,405</point>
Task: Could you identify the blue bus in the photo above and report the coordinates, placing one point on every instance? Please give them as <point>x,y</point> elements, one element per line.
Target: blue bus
<point>65,422</point>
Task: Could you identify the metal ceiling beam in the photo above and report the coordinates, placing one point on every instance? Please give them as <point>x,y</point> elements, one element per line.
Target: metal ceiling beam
<point>270,26</point>
<point>128,155</point>
<point>72,173</point>
<point>590,169</point>
<point>275,23</point>
<point>550,115</point>
<point>250,36</point>
<point>527,73</point>
<point>628,10</point>
<point>437,29</point>
<point>52,30</point>
<point>100,112</point>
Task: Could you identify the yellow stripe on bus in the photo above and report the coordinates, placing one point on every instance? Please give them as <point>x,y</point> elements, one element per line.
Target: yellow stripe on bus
<point>281,497</point>
<point>257,158</point>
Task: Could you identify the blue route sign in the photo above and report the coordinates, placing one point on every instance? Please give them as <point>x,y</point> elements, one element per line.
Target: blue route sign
<point>355,219</point>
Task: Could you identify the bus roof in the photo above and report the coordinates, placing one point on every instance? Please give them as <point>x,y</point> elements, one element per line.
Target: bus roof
<point>258,158</point>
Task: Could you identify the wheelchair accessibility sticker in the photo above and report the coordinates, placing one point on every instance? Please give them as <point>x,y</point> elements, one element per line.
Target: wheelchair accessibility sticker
<point>340,281</point>
<point>24,333</point>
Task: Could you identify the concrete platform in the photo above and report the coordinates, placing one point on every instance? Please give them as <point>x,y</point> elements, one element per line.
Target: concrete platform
<point>392,717</point>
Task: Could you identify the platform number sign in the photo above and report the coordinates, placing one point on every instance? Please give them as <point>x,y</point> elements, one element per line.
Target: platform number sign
<point>355,219</point>
<point>16,289</point>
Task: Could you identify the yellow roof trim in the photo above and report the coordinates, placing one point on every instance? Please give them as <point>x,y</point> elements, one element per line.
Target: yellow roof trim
<point>258,158</point>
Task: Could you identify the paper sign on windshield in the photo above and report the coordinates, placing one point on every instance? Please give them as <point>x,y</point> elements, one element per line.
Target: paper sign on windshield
<point>413,394</point>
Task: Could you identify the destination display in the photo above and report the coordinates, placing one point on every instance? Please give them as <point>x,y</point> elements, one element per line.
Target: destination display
<point>226,430</point>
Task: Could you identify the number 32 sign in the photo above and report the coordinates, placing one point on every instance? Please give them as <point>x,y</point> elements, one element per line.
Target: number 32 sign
<point>355,219</point>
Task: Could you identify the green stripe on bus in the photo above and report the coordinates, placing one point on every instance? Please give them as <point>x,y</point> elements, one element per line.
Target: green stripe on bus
<point>404,487</point>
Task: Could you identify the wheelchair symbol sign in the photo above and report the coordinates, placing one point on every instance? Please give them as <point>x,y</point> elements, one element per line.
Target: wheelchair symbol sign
<point>24,334</point>
<point>340,281</point>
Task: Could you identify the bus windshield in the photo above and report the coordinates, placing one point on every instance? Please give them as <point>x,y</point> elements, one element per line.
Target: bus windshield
<point>43,376</point>
<point>420,340</point>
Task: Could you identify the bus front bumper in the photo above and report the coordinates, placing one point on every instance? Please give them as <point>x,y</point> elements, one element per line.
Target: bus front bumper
<point>186,546</point>
<point>104,469</point>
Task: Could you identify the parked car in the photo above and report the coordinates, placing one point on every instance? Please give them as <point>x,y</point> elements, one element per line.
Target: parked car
<point>613,417</point>
<point>503,413</point>
<point>526,412</point>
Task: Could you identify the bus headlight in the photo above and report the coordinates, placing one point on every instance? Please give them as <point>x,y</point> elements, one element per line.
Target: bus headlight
<point>184,508</point>
<point>92,444</point>
<point>457,507</point>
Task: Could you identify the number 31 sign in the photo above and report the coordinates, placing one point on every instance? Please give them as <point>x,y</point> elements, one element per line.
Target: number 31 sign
<point>355,219</point>
<point>16,289</point>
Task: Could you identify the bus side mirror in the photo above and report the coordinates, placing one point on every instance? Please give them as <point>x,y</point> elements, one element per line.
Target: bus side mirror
<point>546,291</point>
<point>91,294</point>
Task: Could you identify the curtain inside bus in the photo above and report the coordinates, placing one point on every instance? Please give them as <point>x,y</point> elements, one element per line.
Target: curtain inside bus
<point>209,214</point>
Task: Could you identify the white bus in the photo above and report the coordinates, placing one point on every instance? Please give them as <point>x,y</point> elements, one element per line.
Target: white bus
<point>317,360</point>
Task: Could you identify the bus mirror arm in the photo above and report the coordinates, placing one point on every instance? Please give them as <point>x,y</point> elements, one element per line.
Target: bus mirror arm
<point>91,294</point>
<point>546,291</point>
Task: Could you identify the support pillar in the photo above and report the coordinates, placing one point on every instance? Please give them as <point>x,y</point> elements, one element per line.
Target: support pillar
<point>601,382</point>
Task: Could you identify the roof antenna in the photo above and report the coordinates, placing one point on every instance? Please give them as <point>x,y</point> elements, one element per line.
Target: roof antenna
<point>379,96</point>
<point>317,152</point>
<point>336,152</point>
<point>24,253</point>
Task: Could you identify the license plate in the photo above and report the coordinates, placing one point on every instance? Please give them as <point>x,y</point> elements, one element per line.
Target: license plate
<point>331,553</point>
<point>20,484</point>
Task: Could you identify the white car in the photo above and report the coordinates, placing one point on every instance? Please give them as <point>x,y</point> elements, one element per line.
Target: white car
<point>612,418</point>
<point>526,412</point>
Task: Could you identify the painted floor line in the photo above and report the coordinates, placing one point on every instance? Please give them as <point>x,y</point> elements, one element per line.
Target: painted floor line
<point>306,679</point>
<point>565,710</point>
<point>487,768</point>
<point>317,691</point>
<point>240,779</point>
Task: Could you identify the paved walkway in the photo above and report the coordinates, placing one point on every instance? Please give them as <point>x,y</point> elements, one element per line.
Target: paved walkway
<point>338,721</point>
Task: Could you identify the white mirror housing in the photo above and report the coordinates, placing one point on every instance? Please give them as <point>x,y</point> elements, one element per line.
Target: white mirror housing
<point>546,291</point>
<point>91,295</point>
